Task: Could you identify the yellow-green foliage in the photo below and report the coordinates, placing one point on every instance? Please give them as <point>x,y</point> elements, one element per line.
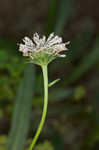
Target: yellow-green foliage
<point>3,140</point>
<point>10,74</point>
<point>44,146</point>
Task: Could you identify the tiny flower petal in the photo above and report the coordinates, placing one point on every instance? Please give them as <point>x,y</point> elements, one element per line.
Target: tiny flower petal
<point>27,41</point>
<point>23,48</point>
<point>43,40</point>
<point>62,55</point>
<point>60,47</point>
<point>25,54</point>
<point>67,43</point>
<point>50,37</point>
<point>36,38</point>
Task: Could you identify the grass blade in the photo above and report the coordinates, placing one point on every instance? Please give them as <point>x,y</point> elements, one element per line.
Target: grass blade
<point>23,107</point>
<point>85,64</point>
<point>51,16</point>
<point>63,13</point>
<point>59,12</point>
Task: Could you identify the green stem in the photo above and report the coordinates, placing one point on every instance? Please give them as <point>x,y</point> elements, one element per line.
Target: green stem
<point>45,76</point>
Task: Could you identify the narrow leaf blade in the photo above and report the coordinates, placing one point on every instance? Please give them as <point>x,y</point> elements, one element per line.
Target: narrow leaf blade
<point>23,107</point>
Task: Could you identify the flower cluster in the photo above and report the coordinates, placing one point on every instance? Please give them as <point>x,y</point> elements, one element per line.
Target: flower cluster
<point>38,48</point>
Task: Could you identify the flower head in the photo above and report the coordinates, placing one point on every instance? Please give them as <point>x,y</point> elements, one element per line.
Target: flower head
<point>41,50</point>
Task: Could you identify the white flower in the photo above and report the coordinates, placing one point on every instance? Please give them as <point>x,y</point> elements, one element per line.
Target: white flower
<point>37,46</point>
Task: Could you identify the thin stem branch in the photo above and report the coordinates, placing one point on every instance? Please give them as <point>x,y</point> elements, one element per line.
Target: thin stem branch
<point>45,76</point>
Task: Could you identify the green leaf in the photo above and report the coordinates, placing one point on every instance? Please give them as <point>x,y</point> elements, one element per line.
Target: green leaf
<point>22,112</point>
<point>64,9</point>
<point>57,140</point>
<point>91,139</point>
<point>3,140</point>
<point>59,12</point>
<point>53,82</point>
<point>85,64</point>
<point>8,45</point>
<point>51,16</point>
<point>80,43</point>
<point>67,109</point>
<point>59,94</point>
<point>44,146</point>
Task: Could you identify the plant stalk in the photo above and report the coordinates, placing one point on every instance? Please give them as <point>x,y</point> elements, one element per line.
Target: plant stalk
<point>45,77</point>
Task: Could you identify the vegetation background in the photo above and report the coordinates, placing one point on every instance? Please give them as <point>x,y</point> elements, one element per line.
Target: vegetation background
<point>73,114</point>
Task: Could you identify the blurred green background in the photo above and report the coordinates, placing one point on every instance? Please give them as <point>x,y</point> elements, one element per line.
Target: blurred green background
<point>73,113</point>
